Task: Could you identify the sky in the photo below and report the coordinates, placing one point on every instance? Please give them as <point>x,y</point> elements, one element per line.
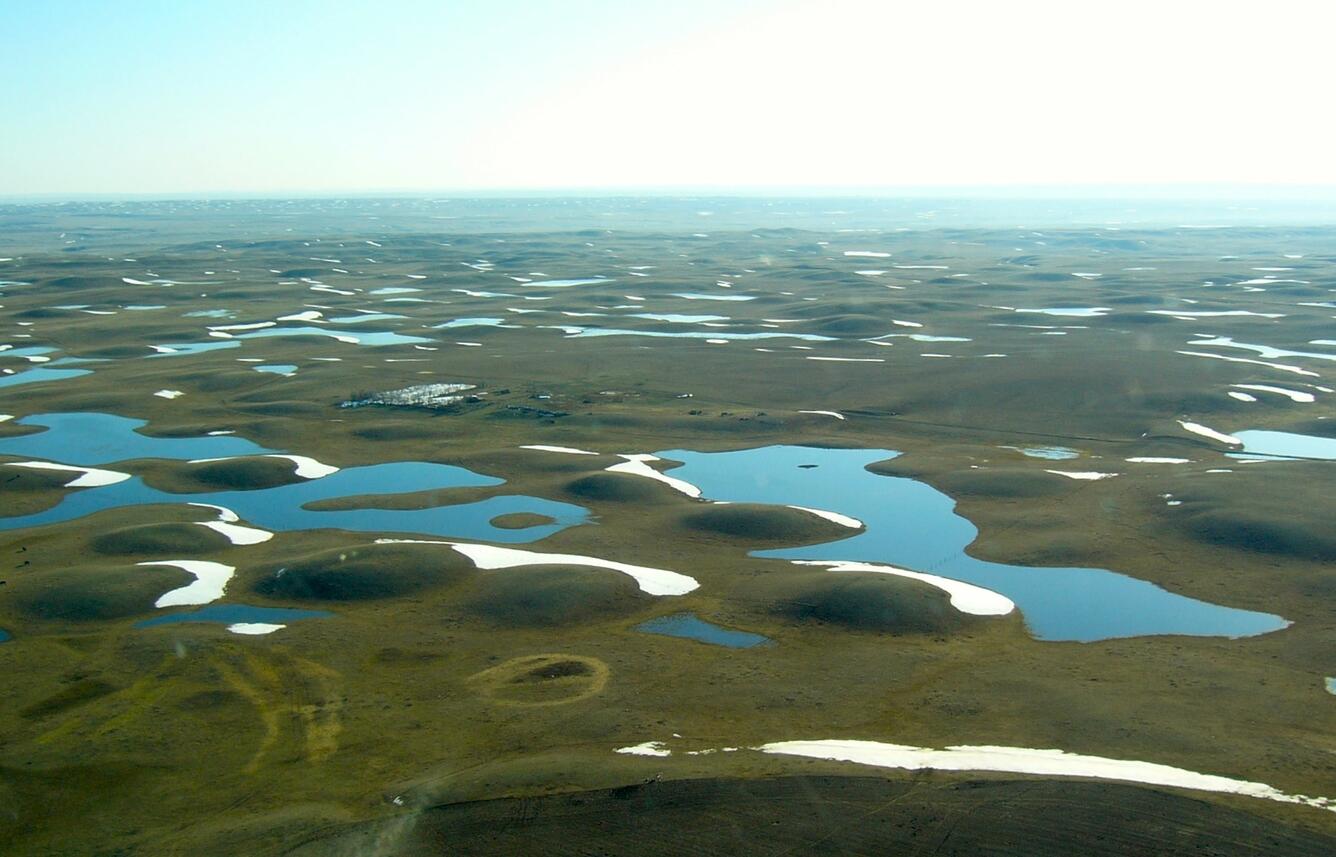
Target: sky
<point>315,96</point>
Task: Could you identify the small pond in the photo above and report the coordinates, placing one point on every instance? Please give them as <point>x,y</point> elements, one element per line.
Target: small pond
<point>688,626</point>
<point>233,614</point>
<point>1284,444</point>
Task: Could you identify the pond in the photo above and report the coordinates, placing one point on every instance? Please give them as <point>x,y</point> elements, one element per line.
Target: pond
<point>285,369</point>
<point>104,438</point>
<point>39,375</point>
<point>236,614</point>
<point>688,626</point>
<point>911,525</point>
<point>92,439</point>
<point>1285,445</point>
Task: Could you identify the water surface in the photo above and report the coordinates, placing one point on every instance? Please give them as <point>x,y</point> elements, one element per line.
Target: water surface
<point>91,439</point>
<point>912,525</point>
<point>40,374</point>
<point>231,614</point>
<point>688,626</point>
<point>1284,444</point>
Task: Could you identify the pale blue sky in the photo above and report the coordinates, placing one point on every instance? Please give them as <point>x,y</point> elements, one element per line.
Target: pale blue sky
<point>131,96</point>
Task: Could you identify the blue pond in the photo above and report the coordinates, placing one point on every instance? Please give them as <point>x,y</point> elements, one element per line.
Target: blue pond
<point>4,635</point>
<point>94,439</point>
<point>1284,444</point>
<point>278,368</point>
<point>40,374</point>
<point>687,625</point>
<point>230,614</point>
<point>914,526</point>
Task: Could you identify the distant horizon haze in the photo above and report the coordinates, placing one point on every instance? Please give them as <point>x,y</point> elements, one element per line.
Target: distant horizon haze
<point>145,99</point>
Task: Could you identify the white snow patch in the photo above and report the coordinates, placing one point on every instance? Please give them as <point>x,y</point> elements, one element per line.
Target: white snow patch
<point>210,581</point>
<point>230,327</point>
<point>307,468</point>
<point>307,315</point>
<point>254,628</point>
<point>1024,760</point>
<point>237,534</point>
<point>1087,475</point>
<point>649,748</point>
<point>1294,395</point>
<point>1281,366</point>
<point>89,477</point>
<point>637,465</point>
<point>836,414</point>
<point>1216,314</point>
<point>1206,431</point>
<point>834,517</point>
<point>169,394</point>
<point>565,449</point>
<point>965,597</point>
<point>849,359</point>
<point>652,581</point>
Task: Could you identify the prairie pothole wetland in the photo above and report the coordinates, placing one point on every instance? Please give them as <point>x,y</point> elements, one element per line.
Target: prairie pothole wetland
<point>722,427</point>
<point>419,526</point>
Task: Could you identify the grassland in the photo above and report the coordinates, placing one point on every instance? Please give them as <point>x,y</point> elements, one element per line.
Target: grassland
<point>444,709</point>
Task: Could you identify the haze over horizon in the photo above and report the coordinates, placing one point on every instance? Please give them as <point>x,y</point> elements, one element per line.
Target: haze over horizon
<point>144,98</point>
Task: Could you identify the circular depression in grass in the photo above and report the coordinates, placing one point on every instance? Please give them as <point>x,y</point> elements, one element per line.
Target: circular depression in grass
<point>541,680</point>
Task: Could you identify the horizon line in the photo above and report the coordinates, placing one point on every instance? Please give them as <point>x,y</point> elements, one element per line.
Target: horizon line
<point>1183,191</point>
